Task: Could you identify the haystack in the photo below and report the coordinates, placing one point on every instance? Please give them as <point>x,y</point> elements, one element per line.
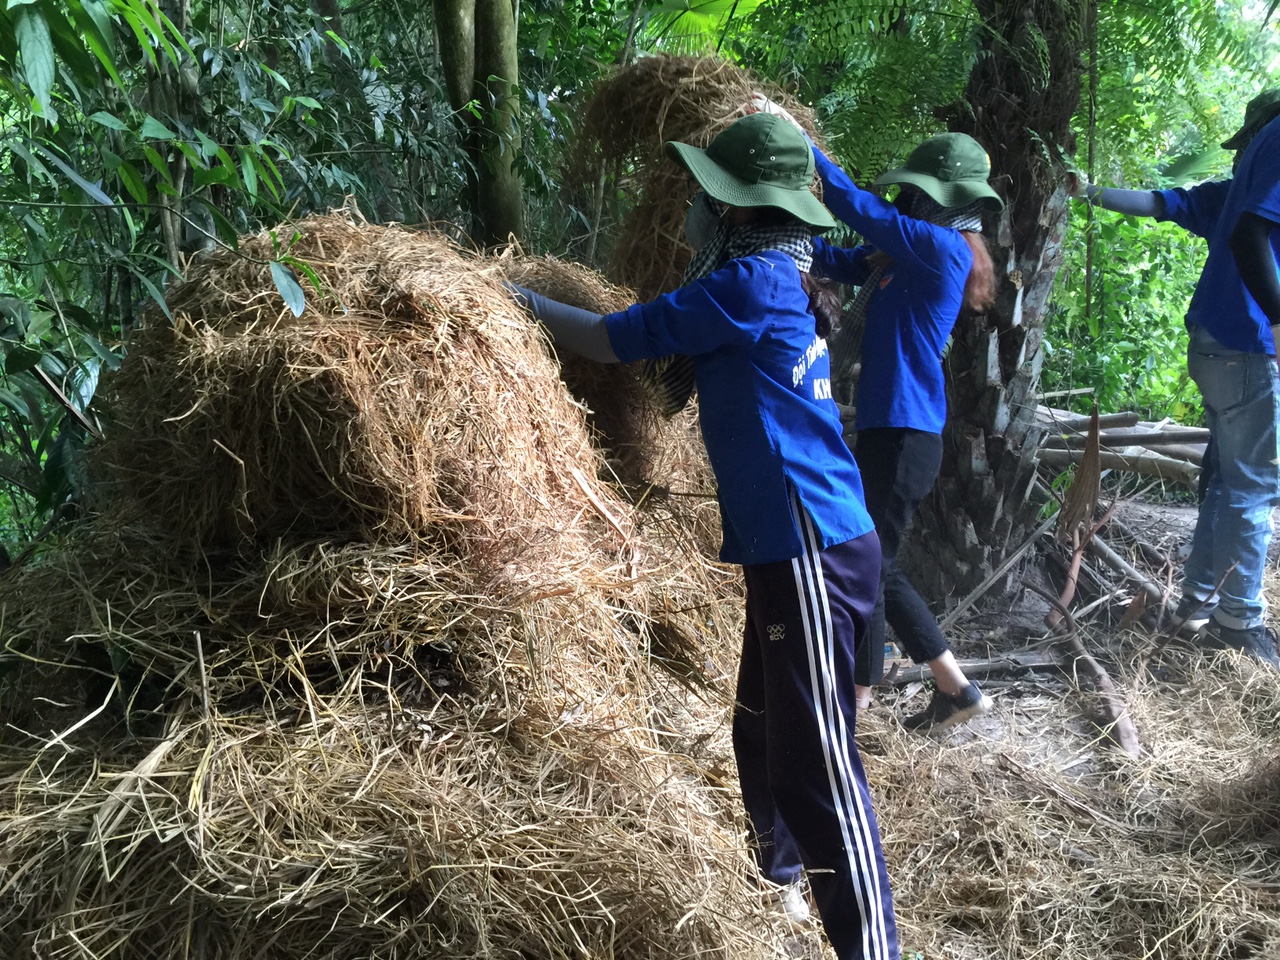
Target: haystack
<point>630,116</point>
<point>360,658</point>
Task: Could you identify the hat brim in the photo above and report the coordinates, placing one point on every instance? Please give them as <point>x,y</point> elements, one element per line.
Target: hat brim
<point>735,192</point>
<point>947,193</point>
<point>1238,140</point>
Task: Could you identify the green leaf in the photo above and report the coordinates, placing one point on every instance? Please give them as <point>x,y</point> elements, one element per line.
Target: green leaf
<point>37,169</point>
<point>32,33</point>
<point>307,271</point>
<point>139,31</point>
<point>108,120</point>
<point>153,129</point>
<point>69,48</point>
<point>289,287</point>
<point>101,351</point>
<point>193,156</point>
<point>100,20</point>
<point>208,149</point>
<point>275,76</point>
<point>249,172</point>
<point>226,230</point>
<point>21,358</point>
<point>94,192</point>
<point>151,288</point>
<point>204,178</point>
<point>158,163</point>
<point>133,181</point>
<point>99,34</point>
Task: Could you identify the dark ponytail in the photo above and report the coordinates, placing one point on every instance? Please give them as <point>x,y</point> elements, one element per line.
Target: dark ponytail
<point>824,302</point>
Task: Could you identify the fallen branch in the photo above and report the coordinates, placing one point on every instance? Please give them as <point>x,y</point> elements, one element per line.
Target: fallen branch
<point>1147,464</point>
<point>1119,726</point>
<point>1008,664</point>
<point>1129,438</point>
<point>1065,422</point>
<point>1119,564</point>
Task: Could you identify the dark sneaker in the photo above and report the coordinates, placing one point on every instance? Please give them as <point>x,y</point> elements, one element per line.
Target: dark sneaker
<point>945,710</point>
<point>1192,616</point>
<point>1258,642</point>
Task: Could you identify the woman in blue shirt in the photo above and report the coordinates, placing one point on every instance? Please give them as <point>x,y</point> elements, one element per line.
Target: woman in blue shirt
<point>791,504</point>
<point>923,265</point>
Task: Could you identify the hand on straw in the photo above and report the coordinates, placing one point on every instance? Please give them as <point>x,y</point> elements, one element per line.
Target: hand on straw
<point>763,104</point>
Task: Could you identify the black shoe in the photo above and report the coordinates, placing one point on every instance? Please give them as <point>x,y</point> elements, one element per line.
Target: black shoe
<point>945,711</point>
<point>1192,616</point>
<point>1258,642</point>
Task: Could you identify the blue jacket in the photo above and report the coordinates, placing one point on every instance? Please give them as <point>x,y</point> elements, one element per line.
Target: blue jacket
<point>910,317</point>
<point>764,394</point>
<point>1221,304</point>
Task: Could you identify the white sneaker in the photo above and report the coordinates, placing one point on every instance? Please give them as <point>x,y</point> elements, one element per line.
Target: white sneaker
<point>792,901</point>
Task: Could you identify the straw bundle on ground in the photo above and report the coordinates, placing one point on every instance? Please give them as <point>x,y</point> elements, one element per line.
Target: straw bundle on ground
<point>629,117</point>
<point>360,658</point>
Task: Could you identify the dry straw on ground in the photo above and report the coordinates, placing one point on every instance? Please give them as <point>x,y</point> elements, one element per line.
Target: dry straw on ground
<point>629,118</point>
<point>1032,837</point>
<point>402,673</point>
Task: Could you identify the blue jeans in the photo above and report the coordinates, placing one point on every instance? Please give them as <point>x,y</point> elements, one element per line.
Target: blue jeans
<point>1241,394</point>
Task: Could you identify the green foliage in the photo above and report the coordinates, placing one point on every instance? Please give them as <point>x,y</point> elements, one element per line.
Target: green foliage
<point>1130,348</point>
<point>880,73</point>
<point>131,143</point>
<point>1173,82</point>
<point>697,26</point>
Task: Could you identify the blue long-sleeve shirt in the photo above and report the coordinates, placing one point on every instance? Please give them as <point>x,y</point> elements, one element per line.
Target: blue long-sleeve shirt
<point>764,386</point>
<point>910,316</point>
<point>1221,304</point>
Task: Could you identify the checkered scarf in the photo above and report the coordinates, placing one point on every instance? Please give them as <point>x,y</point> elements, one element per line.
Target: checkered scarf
<point>671,379</point>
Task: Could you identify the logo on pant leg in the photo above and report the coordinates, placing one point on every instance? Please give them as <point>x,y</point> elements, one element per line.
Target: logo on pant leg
<point>777,631</point>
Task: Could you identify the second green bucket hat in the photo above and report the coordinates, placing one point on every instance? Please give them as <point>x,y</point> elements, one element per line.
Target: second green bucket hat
<point>1265,106</point>
<point>952,168</point>
<point>760,160</point>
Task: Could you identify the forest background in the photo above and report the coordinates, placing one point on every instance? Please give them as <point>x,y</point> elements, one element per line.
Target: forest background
<point>136,134</point>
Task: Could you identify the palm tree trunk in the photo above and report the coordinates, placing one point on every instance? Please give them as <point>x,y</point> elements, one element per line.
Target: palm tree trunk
<point>1019,102</point>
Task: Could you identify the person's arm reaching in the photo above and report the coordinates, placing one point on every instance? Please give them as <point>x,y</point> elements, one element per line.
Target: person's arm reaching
<point>1133,203</point>
<point>576,330</point>
<point>1256,261</point>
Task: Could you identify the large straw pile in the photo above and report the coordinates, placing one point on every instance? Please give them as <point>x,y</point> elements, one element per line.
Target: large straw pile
<point>360,658</point>
<point>629,118</point>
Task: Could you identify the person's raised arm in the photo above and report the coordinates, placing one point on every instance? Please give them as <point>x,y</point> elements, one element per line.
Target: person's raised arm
<point>576,330</point>
<point>1133,203</point>
<point>905,239</point>
<point>1256,261</point>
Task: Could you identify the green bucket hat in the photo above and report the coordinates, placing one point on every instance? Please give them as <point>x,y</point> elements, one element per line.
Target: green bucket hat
<point>1265,106</point>
<point>760,160</point>
<point>952,168</point>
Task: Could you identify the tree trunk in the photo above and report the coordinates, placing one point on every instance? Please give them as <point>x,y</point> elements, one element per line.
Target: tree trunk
<point>456,37</point>
<point>478,51</point>
<point>498,78</point>
<point>1020,99</point>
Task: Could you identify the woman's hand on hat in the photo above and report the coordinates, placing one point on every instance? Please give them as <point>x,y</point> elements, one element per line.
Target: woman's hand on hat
<point>763,104</point>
